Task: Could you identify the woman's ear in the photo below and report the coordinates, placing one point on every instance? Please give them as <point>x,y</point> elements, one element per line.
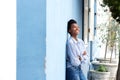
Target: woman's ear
<point>69,31</point>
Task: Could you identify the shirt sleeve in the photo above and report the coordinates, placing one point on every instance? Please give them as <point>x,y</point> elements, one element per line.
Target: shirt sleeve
<point>84,57</point>
<point>72,54</point>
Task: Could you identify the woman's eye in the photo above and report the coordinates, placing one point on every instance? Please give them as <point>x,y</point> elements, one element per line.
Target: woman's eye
<point>74,28</point>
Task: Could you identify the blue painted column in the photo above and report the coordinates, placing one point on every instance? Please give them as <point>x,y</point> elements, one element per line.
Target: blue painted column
<point>91,52</point>
<point>31,39</point>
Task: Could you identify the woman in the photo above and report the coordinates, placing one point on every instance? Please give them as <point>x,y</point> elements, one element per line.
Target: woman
<point>76,53</point>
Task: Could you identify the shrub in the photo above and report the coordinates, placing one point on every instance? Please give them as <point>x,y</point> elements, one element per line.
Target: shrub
<point>102,68</point>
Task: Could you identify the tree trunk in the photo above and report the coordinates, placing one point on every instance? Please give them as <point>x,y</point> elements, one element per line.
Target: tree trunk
<point>106,50</point>
<point>111,54</point>
<point>118,71</point>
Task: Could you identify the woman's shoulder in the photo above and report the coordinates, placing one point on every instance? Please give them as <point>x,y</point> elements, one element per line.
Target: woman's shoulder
<point>69,41</point>
<point>80,40</point>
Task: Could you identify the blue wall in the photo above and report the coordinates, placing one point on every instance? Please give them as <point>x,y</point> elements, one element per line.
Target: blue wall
<point>58,13</point>
<point>31,39</point>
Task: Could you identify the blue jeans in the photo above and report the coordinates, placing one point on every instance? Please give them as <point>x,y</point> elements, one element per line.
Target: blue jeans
<point>74,73</point>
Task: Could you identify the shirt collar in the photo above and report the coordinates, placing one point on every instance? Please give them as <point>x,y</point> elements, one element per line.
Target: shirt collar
<point>75,41</point>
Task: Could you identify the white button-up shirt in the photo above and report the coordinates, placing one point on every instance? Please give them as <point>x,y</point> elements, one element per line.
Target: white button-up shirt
<point>74,49</point>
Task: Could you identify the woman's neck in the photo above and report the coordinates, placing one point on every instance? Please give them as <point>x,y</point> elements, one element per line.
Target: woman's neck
<point>75,37</point>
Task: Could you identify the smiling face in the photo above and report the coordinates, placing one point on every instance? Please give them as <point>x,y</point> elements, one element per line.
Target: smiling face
<point>74,30</point>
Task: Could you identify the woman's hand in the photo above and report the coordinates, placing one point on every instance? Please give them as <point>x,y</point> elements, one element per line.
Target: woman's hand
<point>84,53</point>
<point>79,58</point>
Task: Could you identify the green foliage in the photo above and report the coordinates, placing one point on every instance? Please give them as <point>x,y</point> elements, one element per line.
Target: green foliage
<point>110,33</point>
<point>113,33</point>
<point>102,68</point>
<point>114,6</point>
